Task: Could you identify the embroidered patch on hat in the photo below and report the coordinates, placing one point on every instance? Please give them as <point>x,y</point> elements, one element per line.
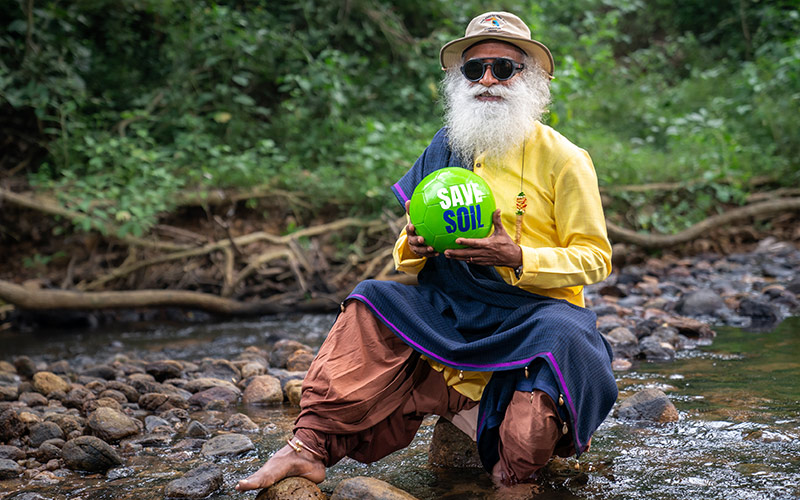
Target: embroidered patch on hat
<point>492,22</point>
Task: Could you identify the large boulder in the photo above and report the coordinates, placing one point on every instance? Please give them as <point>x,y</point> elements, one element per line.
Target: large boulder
<point>90,454</point>
<point>197,483</point>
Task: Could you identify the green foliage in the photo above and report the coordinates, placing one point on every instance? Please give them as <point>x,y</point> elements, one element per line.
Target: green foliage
<point>140,99</point>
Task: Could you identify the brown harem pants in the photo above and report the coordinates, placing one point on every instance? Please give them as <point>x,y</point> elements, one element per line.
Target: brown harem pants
<point>367,391</point>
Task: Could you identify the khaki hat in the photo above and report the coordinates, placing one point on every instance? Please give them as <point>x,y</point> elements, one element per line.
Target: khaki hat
<point>502,26</point>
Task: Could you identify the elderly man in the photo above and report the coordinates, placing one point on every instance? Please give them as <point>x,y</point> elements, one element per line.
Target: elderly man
<point>495,336</point>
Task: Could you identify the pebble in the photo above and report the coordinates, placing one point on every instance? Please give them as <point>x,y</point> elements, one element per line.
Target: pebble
<point>227,445</point>
<point>648,404</point>
<point>197,483</point>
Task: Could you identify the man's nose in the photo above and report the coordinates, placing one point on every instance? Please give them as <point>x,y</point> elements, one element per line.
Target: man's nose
<point>488,79</point>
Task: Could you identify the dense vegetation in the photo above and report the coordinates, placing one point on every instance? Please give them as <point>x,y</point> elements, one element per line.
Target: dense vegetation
<point>120,105</point>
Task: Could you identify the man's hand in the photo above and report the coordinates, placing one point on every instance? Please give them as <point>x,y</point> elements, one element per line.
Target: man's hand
<point>417,243</point>
<point>498,249</point>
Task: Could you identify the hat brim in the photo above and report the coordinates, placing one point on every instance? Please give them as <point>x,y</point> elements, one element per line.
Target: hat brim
<point>450,55</point>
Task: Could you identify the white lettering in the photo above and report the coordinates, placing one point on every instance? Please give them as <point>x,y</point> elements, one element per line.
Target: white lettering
<point>466,189</point>
<point>442,195</point>
<point>479,194</point>
<point>455,196</point>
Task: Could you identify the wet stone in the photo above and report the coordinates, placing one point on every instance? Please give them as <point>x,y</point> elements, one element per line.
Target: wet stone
<point>162,370</point>
<point>48,451</point>
<point>131,394</point>
<point>197,430</point>
<point>25,366</point>
<point>262,390</point>
<point>6,367</point>
<point>197,483</point>
<point>299,360</point>
<point>205,383</point>
<point>112,425</point>
<point>283,349</point>
<point>68,423</point>
<point>240,422</point>
<point>654,349</point>
<point>90,454</point>
<point>152,422</point>
<point>704,302</point>
<point>366,488</point>
<point>292,390</point>
<point>762,314</point>
<point>649,404</point>
<point>450,447</point>
<point>104,372</point>
<point>227,445</point>
<point>8,393</point>
<point>44,431</point>
<point>215,398</point>
<point>221,369</point>
<point>158,402</point>
<point>91,405</point>
<point>47,383</point>
<point>9,469</point>
<point>11,452</point>
<point>33,399</point>
<point>11,426</point>
<point>293,488</point>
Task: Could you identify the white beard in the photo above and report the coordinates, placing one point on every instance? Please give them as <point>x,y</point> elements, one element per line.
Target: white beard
<point>495,127</point>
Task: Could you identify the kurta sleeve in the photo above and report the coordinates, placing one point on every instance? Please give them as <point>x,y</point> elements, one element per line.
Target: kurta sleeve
<point>583,253</point>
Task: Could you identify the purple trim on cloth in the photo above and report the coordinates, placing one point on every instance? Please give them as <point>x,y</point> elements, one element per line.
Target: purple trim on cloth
<point>523,362</point>
<point>400,192</point>
<point>569,397</point>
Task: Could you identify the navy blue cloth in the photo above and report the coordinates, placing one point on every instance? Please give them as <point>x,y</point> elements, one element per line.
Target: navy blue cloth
<point>466,317</point>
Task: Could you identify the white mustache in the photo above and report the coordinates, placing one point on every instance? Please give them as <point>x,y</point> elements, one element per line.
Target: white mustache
<point>494,90</point>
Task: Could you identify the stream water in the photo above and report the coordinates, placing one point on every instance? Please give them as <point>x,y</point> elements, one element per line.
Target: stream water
<point>738,436</point>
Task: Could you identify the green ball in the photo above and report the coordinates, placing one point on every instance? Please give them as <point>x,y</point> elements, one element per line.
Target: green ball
<point>451,203</point>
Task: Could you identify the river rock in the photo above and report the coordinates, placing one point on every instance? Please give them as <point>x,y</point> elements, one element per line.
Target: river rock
<point>262,390</point>
<point>253,369</point>
<point>49,450</point>
<point>227,445</point>
<point>11,452</point>
<point>47,383</point>
<point>648,404</point>
<point>11,425</point>
<point>205,383</point>
<point>292,488</point>
<point>158,402</point>
<point>703,302</point>
<point>6,367</point>
<point>25,366</point>
<point>689,327</point>
<point>131,394</point>
<point>450,447</point>
<point>221,369</point>
<point>32,399</point>
<point>112,425</point>
<point>77,397</point>
<point>623,342</point>
<point>293,391</point>
<point>283,349</point>
<point>67,423</point>
<point>654,349</point>
<point>196,429</point>
<point>215,398</point>
<point>8,393</point>
<point>367,488</point>
<point>152,422</point>
<point>9,469</point>
<point>90,454</point>
<point>762,314</point>
<point>197,483</point>
<point>299,360</point>
<point>240,422</point>
<point>104,372</point>
<point>44,431</point>
<point>90,405</point>
<point>165,369</point>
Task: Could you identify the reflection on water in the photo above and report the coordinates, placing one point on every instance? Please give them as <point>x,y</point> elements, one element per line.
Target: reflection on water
<point>739,402</point>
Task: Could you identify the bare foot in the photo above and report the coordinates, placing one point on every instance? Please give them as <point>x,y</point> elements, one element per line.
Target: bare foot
<point>285,463</point>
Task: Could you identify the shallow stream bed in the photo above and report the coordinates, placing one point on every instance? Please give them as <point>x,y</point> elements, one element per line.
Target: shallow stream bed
<point>738,436</point>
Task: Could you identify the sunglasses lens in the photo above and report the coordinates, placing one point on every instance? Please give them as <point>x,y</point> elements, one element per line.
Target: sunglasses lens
<point>502,69</point>
<point>473,70</point>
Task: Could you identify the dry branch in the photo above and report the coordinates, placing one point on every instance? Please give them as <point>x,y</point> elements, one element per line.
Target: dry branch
<point>622,235</point>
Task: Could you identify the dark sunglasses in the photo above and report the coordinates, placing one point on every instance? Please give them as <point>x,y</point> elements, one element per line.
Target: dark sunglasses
<point>502,68</point>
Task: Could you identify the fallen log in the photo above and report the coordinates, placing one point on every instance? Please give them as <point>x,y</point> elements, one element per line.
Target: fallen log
<point>619,234</point>
<point>41,300</point>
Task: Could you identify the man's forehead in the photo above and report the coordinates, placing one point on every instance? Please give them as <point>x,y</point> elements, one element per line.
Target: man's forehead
<point>493,48</point>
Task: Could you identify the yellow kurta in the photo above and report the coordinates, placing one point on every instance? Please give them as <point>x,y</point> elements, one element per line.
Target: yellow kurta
<point>564,241</point>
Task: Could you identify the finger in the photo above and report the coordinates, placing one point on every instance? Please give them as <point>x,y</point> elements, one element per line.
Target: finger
<point>408,204</point>
<point>497,221</point>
